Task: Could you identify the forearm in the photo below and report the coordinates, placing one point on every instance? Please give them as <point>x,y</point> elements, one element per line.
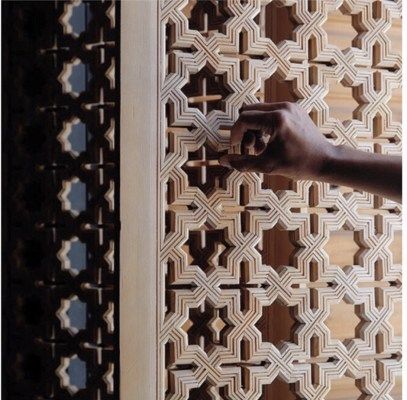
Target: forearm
<point>375,173</point>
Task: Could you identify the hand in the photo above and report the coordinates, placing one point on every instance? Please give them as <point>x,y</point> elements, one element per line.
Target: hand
<point>287,141</point>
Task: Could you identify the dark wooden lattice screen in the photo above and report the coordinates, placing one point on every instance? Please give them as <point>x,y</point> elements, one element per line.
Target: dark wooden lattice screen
<point>60,200</point>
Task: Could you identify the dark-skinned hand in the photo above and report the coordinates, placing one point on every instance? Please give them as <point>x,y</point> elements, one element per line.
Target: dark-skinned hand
<point>282,139</point>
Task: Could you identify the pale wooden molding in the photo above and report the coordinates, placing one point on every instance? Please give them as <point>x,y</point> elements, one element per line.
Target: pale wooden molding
<point>138,205</point>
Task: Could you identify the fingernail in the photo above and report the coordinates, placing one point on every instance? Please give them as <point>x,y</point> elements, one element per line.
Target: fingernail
<point>224,161</point>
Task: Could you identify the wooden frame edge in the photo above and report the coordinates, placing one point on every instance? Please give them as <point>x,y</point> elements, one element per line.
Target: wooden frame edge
<point>139,116</point>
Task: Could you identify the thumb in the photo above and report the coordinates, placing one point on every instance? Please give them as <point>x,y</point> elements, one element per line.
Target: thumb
<point>243,163</point>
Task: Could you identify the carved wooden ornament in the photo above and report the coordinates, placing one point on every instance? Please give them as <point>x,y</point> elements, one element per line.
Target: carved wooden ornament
<point>221,273</point>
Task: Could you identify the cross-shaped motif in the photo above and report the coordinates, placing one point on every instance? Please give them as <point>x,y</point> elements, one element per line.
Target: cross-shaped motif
<point>100,166</point>
<point>244,200</point>
<point>98,347</point>
<point>206,90</point>
<point>201,173</point>
<point>276,323</point>
<point>243,285</point>
<point>245,208</point>
<point>99,226</point>
<point>100,106</point>
<point>380,285</point>
<point>208,16</point>
<point>314,62</point>
<point>55,49</point>
<point>206,326</point>
<point>208,249</point>
<point>315,284</point>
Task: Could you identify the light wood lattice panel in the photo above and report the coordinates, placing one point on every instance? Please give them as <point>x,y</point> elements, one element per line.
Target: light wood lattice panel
<point>257,272</point>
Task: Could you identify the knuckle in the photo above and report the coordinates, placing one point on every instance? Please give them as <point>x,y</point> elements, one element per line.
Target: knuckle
<point>277,117</point>
<point>244,115</point>
<point>242,109</point>
<point>283,117</point>
<point>295,107</point>
<point>268,169</point>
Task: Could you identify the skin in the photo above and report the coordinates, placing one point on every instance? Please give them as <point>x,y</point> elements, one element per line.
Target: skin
<point>285,141</point>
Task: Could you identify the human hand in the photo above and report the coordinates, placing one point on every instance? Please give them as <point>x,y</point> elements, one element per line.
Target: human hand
<point>284,139</point>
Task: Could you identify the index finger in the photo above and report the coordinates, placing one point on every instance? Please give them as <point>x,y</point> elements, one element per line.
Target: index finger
<point>266,106</point>
<point>247,120</point>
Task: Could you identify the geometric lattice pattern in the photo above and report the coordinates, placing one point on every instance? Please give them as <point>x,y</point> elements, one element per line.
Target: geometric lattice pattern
<point>240,319</point>
<point>60,265</point>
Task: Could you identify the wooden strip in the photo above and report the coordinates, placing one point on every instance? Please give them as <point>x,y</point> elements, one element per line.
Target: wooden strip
<point>138,266</point>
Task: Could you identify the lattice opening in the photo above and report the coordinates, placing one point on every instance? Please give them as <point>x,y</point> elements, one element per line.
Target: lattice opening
<point>397,391</point>
<point>396,318</point>
<point>279,89</point>
<point>202,174</point>
<point>395,105</point>
<point>277,247</point>
<point>73,256</point>
<point>207,248</point>
<point>72,314</point>
<point>72,374</point>
<point>343,328</point>
<point>169,214</point>
<point>346,253</point>
<point>75,77</point>
<point>203,392</point>
<point>377,125</point>
<point>74,137</point>
<point>396,247</point>
<point>169,41</point>
<point>341,101</point>
<point>340,29</point>
<point>278,389</point>
<point>207,326</point>
<point>276,182</point>
<point>395,36</point>
<point>344,388</point>
<point>280,22</point>
<point>169,354</point>
<point>75,18</point>
<point>206,17</point>
<point>73,196</point>
<point>277,323</point>
<point>206,90</point>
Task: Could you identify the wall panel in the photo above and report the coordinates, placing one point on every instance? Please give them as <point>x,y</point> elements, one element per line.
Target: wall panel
<point>250,275</point>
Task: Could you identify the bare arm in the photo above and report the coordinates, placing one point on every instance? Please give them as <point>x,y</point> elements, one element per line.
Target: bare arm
<point>375,173</point>
<point>288,143</point>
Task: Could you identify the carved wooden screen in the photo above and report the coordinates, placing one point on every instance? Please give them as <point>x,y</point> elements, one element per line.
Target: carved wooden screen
<point>270,288</point>
<point>60,206</point>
